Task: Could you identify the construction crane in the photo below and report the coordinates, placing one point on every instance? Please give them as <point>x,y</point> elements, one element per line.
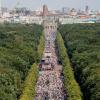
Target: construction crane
<point>0,8</point>
<point>15,7</point>
<point>17,4</point>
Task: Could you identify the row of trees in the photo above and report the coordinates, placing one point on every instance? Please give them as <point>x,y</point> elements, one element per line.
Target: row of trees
<point>41,47</point>
<point>83,44</point>
<point>72,88</point>
<point>30,82</point>
<point>18,51</point>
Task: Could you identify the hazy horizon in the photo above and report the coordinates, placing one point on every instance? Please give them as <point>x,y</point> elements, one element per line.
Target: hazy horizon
<point>52,4</point>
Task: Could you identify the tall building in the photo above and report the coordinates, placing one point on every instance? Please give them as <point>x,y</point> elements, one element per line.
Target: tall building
<point>65,10</point>
<point>45,10</point>
<point>87,9</point>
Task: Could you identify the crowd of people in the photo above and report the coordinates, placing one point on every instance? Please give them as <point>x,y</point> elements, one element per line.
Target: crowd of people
<point>50,85</point>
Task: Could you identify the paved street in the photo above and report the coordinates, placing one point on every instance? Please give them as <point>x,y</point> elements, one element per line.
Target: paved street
<point>50,82</point>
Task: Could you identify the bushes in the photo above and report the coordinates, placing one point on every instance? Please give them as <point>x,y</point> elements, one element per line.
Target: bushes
<point>30,83</point>
<point>71,86</point>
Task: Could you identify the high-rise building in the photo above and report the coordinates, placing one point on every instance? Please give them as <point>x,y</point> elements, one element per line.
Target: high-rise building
<point>87,9</point>
<point>65,10</point>
<point>45,10</point>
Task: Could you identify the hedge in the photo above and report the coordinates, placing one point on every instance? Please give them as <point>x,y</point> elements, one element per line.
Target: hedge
<point>41,46</point>
<point>72,88</point>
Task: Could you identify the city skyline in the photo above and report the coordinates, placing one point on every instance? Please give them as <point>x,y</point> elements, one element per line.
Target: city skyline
<point>52,4</point>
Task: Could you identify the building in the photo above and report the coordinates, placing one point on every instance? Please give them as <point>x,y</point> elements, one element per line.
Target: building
<point>66,16</point>
<point>87,10</point>
<point>45,10</point>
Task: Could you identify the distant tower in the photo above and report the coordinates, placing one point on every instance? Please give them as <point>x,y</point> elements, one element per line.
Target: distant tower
<point>64,10</point>
<point>87,9</point>
<point>45,10</point>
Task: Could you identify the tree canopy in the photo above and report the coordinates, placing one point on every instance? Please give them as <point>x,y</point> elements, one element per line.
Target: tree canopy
<point>83,44</point>
<point>18,51</point>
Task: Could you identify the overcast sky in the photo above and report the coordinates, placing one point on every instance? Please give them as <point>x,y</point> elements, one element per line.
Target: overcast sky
<point>53,4</point>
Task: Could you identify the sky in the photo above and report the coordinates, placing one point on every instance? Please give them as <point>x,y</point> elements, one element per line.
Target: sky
<point>52,4</point>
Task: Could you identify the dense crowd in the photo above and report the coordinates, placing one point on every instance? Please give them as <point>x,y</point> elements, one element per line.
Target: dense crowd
<point>50,84</point>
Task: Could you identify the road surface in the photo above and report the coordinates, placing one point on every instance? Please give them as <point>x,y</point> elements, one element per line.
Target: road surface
<point>50,82</point>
